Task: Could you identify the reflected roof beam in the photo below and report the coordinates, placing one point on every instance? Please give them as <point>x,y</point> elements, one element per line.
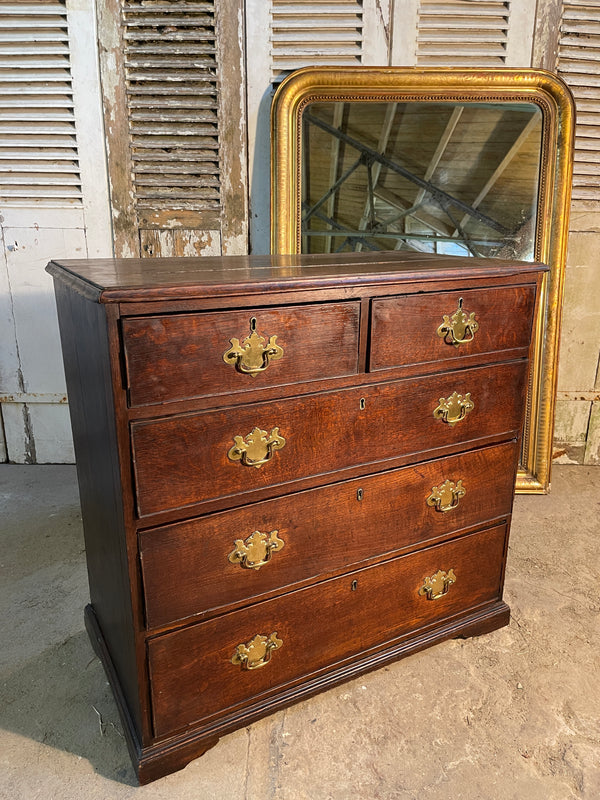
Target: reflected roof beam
<point>533,123</point>
<point>384,137</point>
<point>437,194</point>
<point>441,149</point>
<point>334,164</point>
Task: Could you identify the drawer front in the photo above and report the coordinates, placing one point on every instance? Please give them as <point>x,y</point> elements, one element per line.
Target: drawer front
<point>437,327</point>
<point>191,458</point>
<point>313,629</point>
<point>179,356</point>
<point>211,562</point>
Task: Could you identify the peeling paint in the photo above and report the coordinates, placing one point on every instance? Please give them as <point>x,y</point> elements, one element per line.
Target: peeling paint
<point>385,23</point>
<point>29,443</point>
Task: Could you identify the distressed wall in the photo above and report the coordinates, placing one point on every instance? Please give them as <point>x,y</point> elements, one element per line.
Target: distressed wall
<point>577,427</point>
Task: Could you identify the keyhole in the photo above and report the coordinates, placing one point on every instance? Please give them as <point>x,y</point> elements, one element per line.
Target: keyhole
<point>359,495</point>
<point>362,403</point>
<point>354,586</point>
<point>252,324</point>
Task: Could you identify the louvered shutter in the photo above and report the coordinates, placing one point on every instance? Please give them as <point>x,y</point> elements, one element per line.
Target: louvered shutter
<point>39,164</point>
<point>172,82</point>
<point>285,35</point>
<point>468,33</point>
<point>53,204</point>
<point>475,33</point>
<point>579,65</point>
<point>315,32</point>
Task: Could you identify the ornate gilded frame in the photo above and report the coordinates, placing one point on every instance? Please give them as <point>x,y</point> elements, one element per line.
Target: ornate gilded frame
<point>400,84</point>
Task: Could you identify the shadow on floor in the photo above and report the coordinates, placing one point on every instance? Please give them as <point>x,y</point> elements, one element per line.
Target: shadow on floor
<point>62,699</point>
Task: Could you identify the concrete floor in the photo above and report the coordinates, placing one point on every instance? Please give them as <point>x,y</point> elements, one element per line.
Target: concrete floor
<point>513,715</point>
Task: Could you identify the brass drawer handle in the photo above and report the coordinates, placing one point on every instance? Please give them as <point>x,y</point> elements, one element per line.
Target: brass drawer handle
<point>454,408</point>
<point>252,355</point>
<point>437,585</point>
<point>256,550</point>
<point>446,496</point>
<point>257,652</point>
<point>458,328</point>
<point>257,448</point>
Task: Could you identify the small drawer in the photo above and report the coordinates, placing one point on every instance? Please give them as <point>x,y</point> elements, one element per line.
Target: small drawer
<point>239,555</point>
<point>182,356</point>
<point>473,325</point>
<point>187,459</point>
<point>207,669</point>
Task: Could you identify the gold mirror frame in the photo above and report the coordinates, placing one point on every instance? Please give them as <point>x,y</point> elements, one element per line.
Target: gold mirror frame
<point>401,85</point>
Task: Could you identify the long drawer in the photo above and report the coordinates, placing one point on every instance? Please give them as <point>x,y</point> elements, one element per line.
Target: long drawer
<point>238,555</point>
<point>438,327</point>
<point>191,458</point>
<point>204,670</point>
<point>178,356</point>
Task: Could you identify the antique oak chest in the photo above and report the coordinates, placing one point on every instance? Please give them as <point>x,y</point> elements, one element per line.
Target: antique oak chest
<point>292,470</point>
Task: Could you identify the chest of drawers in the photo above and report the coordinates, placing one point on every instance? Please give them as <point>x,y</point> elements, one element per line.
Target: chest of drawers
<point>292,470</point>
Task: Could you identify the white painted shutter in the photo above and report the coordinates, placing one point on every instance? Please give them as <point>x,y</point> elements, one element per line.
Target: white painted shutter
<point>39,163</point>
<point>53,204</point>
<point>463,33</point>
<point>579,65</point>
<point>324,32</point>
<point>475,33</point>
<point>285,35</point>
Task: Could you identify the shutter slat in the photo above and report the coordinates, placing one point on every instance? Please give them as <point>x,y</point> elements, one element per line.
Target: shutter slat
<point>27,169</point>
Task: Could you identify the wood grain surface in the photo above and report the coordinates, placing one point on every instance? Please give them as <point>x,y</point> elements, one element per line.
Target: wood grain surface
<point>182,460</point>
<point>185,567</point>
<point>191,670</point>
<point>180,356</point>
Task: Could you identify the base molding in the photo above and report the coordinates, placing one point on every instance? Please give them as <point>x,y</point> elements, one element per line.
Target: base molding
<point>174,753</point>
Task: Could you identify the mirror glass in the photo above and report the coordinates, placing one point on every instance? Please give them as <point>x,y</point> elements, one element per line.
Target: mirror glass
<point>436,177</point>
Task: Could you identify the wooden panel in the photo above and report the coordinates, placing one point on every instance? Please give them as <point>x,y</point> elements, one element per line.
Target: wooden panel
<point>183,460</point>
<point>317,342</point>
<point>157,243</point>
<point>191,670</point>
<point>404,329</point>
<point>186,570</point>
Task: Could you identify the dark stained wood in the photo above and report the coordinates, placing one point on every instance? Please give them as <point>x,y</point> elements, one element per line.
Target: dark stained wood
<point>191,671</point>
<point>318,342</point>
<point>186,569</point>
<point>88,374</point>
<point>182,460</point>
<point>404,329</point>
<point>167,607</point>
<point>163,279</point>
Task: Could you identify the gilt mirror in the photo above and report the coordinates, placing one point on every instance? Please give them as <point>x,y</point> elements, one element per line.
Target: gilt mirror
<point>456,162</point>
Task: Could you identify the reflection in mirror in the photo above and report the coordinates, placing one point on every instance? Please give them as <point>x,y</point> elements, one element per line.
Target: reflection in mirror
<point>436,177</point>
